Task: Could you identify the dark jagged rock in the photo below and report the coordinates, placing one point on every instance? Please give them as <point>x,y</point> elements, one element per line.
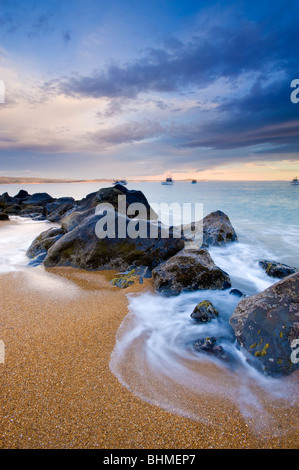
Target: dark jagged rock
<point>22,194</point>
<point>3,216</point>
<point>266,324</point>
<point>277,270</point>
<point>209,345</point>
<point>204,312</point>
<point>38,199</point>
<point>189,270</point>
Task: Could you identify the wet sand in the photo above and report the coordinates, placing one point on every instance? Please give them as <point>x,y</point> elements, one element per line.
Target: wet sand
<point>57,390</point>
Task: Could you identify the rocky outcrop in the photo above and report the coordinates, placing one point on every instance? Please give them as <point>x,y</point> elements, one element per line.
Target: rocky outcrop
<point>277,270</point>
<point>3,216</point>
<point>81,247</point>
<point>44,206</point>
<point>266,325</point>
<point>204,312</point>
<point>189,270</point>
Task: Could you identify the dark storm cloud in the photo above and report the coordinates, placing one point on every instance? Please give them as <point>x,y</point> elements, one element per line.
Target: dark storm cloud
<point>218,52</point>
<point>265,115</point>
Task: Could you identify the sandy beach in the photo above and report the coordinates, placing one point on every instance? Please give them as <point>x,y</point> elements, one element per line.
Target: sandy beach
<point>57,390</point>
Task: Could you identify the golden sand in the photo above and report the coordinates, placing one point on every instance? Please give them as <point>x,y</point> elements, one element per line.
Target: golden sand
<point>57,390</point>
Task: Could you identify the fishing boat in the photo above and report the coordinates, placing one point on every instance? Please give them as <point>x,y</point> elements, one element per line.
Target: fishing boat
<point>193,181</point>
<point>120,181</point>
<point>295,181</point>
<point>168,180</point>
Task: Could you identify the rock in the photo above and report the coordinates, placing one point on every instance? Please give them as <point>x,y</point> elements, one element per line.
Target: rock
<point>204,312</point>
<point>135,274</point>
<point>22,194</point>
<point>189,270</point>
<point>111,196</point>
<point>38,199</point>
<point>32,210</point>
<point>81,247</point>
<point>58,209</point>
<point>13,209</point>
<point>5,198</point>
<point>43,242</point>
<point>3,216</point>
<point>209,346</point>
<point>277,270</point>
<point>87,206</point>
<point>216,230</point>
<point>73,219</point>
<point>237,293</point>
<point>266,324</point>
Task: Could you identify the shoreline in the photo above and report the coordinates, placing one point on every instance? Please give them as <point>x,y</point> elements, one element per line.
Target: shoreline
<point>59,327</point>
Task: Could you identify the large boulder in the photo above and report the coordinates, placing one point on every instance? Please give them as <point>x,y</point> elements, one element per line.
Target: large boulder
<point>277,270</point>
<point>213,230</point>
<point>82,247</point>
<point>189,270</point>
<point>111,195</point>
<point>87,206</point>
<point>267,324</point>
<point>218,230</point>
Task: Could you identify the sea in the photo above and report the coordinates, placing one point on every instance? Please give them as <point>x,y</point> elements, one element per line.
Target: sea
<point>152,356</point>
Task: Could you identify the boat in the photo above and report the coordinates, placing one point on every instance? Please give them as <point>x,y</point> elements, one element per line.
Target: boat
<point>120,181</point>
<point>295,181</point>
<point>193,181</point>
<point>168,180</point>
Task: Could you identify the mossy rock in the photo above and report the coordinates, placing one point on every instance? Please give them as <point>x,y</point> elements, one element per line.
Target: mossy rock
<point>266,325</point>
<point>204,312</point>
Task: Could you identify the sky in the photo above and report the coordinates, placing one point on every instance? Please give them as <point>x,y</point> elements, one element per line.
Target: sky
<point>139,89</point>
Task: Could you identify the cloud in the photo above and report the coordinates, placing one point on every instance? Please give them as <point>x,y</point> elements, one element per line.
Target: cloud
<point>134,131</point>
<point>216,52</point>
<point>264,115</point>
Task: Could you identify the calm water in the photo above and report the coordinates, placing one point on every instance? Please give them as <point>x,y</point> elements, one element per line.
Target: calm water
<point>151,342</point>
